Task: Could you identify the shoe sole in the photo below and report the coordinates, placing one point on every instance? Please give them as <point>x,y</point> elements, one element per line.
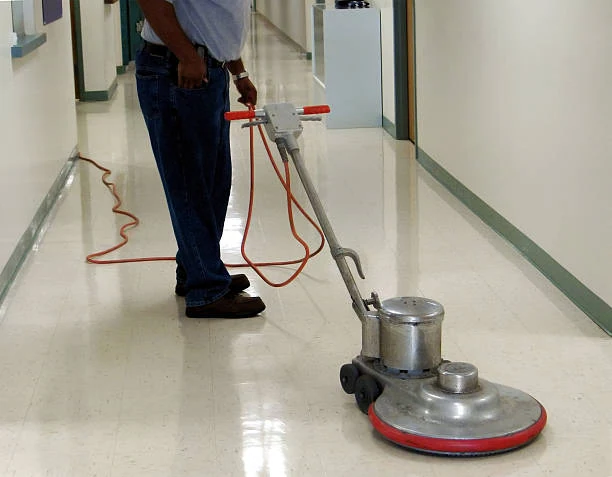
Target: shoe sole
<point>246,314</point>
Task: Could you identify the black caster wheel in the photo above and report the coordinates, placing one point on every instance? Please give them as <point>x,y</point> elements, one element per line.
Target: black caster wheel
<point>348,377</point>
<point>366,392</point>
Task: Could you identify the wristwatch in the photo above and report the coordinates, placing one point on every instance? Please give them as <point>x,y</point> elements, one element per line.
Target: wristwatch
<point>239,76</point>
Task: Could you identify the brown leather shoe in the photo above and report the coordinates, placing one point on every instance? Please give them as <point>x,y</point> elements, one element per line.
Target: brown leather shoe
<point>230,305</point>
<point>239,283</point>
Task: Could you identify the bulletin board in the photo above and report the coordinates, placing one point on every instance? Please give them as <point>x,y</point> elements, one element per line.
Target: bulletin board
<point>52,10</point>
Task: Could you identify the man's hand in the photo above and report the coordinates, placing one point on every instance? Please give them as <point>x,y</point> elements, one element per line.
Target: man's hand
<point>192,72</point>
<point>191,69</point>
<point>247,90</point>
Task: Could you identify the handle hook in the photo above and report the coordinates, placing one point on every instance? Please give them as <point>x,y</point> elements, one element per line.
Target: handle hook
<point>350,253</point>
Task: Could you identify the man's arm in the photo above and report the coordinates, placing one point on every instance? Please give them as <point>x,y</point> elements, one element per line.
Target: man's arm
<point>160,14</point>
<point>248,92</point>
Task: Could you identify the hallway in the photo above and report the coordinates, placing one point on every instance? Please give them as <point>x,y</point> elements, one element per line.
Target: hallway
<point>104,376</point>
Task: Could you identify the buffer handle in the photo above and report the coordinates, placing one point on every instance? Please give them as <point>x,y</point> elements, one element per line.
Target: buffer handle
<point>260,113</point>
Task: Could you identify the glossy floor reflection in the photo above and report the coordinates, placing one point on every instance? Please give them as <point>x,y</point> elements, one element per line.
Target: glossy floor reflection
<point>104,376</point>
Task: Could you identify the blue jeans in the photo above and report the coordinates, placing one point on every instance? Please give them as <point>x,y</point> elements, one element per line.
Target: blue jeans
<point>190,142</point>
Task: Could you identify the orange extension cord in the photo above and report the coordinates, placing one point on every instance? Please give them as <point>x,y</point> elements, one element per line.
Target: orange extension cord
<point>95,257</point>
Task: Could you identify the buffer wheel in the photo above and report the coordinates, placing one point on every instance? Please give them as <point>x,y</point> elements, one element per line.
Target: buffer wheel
<point>349,373</point>
<point>367,391</point>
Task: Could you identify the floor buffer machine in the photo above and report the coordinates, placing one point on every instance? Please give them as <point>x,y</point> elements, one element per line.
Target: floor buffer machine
<point>412,396</point>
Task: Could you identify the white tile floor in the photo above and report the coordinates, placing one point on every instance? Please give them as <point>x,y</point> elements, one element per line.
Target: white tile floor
<point>104,376</point>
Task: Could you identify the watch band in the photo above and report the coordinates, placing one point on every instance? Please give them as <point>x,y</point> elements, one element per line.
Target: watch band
<point>239,76</point>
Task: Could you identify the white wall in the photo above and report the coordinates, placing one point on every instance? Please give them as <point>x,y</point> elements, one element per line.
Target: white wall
<point>37,123</point>
<point>515,100</point>
<point>308,17</point>
<point>388,57</point>
<point>289,16</point>
<point>99,43</point>
<point>116,14</point>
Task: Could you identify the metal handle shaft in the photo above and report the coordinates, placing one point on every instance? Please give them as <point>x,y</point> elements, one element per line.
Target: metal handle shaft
<point>292,146</point>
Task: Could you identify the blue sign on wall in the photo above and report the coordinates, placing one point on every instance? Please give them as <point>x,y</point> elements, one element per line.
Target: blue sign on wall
<point>52,10</point>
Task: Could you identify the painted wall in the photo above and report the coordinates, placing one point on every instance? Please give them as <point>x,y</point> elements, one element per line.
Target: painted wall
<point>515,100</point>
<point>308,17</point>
<point>387,46</point>
<point>289,17</point>
<point>37,122</point>
<point>98,34</point>
<point>116,14</point>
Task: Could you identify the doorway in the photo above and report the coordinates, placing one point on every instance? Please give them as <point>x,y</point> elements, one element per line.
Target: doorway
<point>411,83</point>
<point>132,21</point>
<point>76,42</point>
<point>405,78</point>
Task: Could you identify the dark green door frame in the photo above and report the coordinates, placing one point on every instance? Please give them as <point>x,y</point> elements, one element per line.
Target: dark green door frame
<point>400,34</point>
<point>399,126</point>
<point>125,33</point>
<point>85,95</point>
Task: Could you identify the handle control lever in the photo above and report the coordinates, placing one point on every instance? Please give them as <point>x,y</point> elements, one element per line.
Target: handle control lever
<point>373,301</point>
<point>257,122</point>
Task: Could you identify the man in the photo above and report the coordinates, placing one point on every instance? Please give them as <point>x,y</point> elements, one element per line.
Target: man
<point>183,89</point>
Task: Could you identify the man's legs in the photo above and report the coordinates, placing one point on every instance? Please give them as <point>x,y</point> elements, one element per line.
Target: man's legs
<point>204,135</point>
<point>190,141</point>
<point>221,192</point>
<point>202,202</point>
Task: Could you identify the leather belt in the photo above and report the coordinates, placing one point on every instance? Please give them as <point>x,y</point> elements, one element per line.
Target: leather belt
<point>164,52</point>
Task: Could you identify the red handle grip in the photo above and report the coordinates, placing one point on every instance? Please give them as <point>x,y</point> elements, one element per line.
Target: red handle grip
<point>235,115</point>
<point>319,109</point>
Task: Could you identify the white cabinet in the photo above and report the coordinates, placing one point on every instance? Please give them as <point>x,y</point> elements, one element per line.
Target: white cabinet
<point>346,65</point>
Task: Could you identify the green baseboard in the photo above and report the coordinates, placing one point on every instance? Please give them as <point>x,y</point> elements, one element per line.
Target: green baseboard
<point>34,231</point>
<point>591,304</point>
<point>99,95</point>
<point>389,126</point>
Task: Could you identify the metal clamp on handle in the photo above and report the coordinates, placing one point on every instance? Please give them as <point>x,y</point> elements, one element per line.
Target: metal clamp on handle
<point>311,118</point>
<point>373,301</point>
<point>257,122</point>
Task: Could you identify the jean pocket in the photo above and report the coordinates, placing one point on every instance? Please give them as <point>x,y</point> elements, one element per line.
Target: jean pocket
<point>204,87</point>
<point>147,85</point>
<point>145,73</point>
